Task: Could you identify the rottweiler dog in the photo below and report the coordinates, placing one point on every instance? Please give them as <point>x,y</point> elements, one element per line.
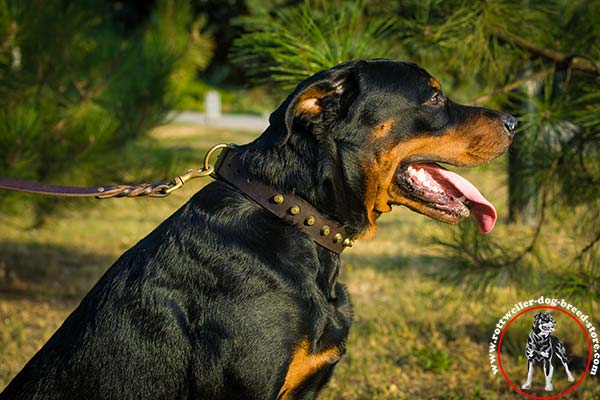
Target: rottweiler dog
<point>227,300</point>
<point>544,348</point>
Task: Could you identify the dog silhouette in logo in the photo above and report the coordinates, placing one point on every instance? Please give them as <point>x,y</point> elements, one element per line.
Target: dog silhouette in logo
<point>544,348</point>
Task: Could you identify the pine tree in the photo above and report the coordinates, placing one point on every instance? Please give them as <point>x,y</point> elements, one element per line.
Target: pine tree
<point>78,82</point>
<point>539,60</point>
<point>287,44</point>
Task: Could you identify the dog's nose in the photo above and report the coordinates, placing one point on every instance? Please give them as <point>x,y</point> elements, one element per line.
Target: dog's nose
<point>510,123</point>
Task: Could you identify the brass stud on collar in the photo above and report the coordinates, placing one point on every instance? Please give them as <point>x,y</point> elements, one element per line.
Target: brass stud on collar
<point>325,230</point>
<point>348,242</point>
<point>337,238</point>
<point>278,198</point>
<point>295,210</point>
<point>310,220</point>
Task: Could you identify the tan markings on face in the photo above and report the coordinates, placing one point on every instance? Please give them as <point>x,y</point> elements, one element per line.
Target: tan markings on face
<point>473,143</point>
<point>383,129</point>
<point>303,365</point>
<point>434,83</point>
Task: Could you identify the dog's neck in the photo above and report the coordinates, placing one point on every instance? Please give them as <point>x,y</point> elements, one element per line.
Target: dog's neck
<point>313,171</point>
<point>287,206</point>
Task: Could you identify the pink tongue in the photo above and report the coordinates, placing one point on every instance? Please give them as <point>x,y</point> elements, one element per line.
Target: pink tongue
<point>482,210</point>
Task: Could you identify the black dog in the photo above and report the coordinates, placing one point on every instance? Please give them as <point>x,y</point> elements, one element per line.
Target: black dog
<point>226,299</point>
<point>542,347</point>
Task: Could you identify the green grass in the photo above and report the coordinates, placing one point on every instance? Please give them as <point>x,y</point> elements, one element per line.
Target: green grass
<point>414,337</point>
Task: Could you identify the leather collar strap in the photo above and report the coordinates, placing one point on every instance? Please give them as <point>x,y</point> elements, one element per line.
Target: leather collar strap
<point>287,206</point>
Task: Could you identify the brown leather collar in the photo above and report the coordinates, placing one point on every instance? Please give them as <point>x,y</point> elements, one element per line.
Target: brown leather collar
<point>287,206</point>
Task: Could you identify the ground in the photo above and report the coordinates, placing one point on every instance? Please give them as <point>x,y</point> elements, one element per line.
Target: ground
<point>414,336</point>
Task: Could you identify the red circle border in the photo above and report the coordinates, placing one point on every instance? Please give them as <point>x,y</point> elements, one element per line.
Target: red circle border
<point>556,396</point>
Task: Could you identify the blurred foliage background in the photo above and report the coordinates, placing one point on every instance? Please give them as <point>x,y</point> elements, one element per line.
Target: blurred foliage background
<point>83,83</point>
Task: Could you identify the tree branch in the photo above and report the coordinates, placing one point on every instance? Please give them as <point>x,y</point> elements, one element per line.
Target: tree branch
<point>587,248</point>
<point>591,244</point>
<point>538,229</point>
<point>511,86</point>
<point>575,61</point>
<point>578,62</point>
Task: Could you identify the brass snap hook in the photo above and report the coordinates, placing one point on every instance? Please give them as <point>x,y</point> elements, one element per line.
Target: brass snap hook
<point>206,170</point>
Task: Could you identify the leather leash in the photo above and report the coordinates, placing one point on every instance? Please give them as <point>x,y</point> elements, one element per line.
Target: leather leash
<point>159,189</point>
<point>99,192</point>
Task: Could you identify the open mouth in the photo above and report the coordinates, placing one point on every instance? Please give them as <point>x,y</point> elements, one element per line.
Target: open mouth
<point>448,196</point>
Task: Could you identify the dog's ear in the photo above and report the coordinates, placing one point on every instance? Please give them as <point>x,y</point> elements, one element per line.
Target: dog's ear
<point>537,316</point>
<point>331,91</point>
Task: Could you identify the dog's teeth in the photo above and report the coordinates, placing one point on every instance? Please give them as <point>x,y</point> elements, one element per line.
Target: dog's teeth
<point>461,198</point>
<point>421,175</point>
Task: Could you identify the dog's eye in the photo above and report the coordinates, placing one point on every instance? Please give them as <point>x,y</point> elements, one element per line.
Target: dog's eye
<point>436,99</point>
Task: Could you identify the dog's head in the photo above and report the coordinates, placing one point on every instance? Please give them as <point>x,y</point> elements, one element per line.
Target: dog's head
<point>373,132</point>
<point>543,323</point>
